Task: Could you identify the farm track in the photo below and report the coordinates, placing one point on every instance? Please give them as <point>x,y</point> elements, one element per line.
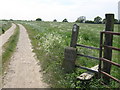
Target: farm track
<point>23,69</point>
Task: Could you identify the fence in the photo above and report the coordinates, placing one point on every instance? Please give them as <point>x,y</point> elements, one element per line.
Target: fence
<point>105,55</point>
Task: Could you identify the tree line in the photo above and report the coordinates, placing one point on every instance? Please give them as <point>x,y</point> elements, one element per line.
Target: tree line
<point>82,19</point>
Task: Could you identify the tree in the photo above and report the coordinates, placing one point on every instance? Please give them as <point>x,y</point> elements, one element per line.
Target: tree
<point>54,20</point>
<point>97,20</point>
<point>38,19</point>
<point>65,20</point>
<point>11,19</point>
<point>81,19</point>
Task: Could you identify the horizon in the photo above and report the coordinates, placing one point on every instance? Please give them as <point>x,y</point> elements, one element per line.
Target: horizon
<point>48,10</point>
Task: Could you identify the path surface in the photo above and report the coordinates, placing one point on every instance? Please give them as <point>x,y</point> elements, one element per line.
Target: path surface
<point>3,39</point>
<point>23,69</point>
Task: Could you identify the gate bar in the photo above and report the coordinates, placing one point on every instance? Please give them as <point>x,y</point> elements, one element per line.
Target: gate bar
<point>88,56</point>
<point>116,64</point>
<point>87,46</point>
<point>109,32</point>
<point>110,76</point>
<point>114,48</point>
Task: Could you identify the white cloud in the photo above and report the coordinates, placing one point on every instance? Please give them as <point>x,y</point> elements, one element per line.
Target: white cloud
<point>59,9</point>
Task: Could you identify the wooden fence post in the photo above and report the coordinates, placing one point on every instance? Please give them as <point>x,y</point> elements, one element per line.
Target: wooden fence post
<point>70,53</point>
<point>108,51</point>
<point>74,37</point>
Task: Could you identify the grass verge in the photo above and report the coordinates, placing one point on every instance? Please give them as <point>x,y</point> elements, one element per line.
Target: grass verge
<point>9,48</point>
<point>5,26</point>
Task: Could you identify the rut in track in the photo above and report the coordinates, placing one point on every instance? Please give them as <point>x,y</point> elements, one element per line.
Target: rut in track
<point>23,69</point>
<point>3,39</point>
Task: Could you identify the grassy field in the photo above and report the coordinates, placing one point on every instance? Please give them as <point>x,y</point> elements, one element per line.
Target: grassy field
<point>49,40</point>
<point>9,48</point>
<point>5,25</point>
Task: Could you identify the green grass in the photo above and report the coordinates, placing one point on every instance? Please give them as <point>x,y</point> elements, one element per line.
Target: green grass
<point>49,40</point>
<point>5,25</point>
<point>9,48</point>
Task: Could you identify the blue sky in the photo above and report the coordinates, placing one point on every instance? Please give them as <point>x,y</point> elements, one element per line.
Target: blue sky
<point>56,9</point>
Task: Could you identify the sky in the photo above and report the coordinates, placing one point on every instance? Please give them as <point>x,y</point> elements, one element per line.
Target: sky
<point>48,10</point>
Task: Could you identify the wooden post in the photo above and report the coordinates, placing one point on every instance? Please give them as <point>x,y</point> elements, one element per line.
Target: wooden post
<point>70,55</point>
<point>108,41</point>
<point>74,38</point>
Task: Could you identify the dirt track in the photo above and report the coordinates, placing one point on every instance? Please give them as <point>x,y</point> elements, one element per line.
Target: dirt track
<point>23,69</point>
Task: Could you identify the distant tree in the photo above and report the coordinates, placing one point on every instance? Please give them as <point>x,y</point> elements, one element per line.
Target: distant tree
<point>81,19</point>
<point>65,20</point>
<point>38,19</point>
<point>89,21</point>
<point>97,20</point>
<point>11,19</point>
<point>54,20</point>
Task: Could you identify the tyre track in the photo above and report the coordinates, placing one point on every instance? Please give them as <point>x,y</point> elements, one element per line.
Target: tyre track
<point>3,39</point>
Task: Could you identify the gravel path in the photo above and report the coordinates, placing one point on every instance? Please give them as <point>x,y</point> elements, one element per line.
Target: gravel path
<point>23,69</point>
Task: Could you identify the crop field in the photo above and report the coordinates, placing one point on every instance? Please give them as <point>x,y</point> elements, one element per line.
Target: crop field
<point>49,40</point>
